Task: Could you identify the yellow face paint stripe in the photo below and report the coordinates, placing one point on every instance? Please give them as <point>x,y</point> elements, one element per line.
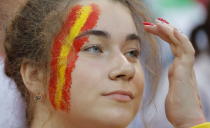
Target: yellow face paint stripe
<point>83,15</point>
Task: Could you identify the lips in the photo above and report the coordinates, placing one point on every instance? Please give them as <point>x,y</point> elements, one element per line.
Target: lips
<point>120,95</point>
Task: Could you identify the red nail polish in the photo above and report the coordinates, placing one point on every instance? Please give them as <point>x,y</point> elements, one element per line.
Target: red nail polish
<point>165,21</point>
<point>148,23</point>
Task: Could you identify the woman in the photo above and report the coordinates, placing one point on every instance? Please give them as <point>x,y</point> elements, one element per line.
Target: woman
<point>76,64</point>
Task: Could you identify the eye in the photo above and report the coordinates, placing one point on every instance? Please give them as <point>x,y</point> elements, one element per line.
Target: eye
<point>94,49</point>
<point>133,53</point>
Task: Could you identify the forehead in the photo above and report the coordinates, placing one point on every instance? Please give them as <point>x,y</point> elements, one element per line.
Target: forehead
<point>114,18</point>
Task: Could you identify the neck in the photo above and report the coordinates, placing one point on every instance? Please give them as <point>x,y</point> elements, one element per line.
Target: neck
<point>46,118</point>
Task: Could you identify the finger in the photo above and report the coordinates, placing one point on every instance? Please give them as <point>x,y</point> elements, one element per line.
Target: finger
<point>159,30</point>
<point>155,30</point>
<point>186,44</point>
<point>162,29</point>
<point>179,43</point>
<point>167,31</point>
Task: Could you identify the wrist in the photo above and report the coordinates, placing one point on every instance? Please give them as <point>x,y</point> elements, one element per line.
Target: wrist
<point>191,123</point>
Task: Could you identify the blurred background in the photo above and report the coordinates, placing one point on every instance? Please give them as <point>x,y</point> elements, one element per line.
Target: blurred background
<point>184,14</point>
<point>189,16</point>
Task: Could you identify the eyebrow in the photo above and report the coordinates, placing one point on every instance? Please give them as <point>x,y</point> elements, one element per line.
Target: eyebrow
<point>107,35</point>
<point>95,33</point>
<point>133,37</point>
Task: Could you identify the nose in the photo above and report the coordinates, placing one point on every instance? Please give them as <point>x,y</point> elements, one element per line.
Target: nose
<point>122,70</point>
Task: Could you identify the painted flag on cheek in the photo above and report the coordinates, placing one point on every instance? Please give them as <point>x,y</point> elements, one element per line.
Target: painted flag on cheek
<point>65,52</point>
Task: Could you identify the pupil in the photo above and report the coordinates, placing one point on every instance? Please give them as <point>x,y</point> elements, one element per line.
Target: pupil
<point>95,48</point>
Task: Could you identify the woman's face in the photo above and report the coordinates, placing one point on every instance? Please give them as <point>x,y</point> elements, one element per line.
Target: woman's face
<point>107,80</point>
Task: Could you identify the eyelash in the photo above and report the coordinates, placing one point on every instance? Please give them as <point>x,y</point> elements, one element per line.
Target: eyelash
<point>91,49</point>
<point>133,53</point>
<point>96,49</point>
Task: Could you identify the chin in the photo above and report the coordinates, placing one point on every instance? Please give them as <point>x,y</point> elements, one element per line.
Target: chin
<point>116,117</point>
<point>104,116</point>
<point>119,122</point>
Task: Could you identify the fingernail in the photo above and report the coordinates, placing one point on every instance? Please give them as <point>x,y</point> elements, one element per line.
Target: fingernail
<point>148,24</point>
<point>162,20</point>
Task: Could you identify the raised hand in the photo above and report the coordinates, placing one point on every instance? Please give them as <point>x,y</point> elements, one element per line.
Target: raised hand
<point>182,106</point>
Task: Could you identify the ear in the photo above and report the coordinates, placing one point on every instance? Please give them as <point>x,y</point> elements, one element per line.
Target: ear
<point>33,78</point>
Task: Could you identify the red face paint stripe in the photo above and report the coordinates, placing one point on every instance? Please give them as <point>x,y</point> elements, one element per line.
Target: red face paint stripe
<point>65,104</point>
<point>72,57</point>
<point>92,19</point>
<point>91,22</point>
<point>70,21</point>
<point>56,50</point>
<point>53,79</point>
<point>83,15</point>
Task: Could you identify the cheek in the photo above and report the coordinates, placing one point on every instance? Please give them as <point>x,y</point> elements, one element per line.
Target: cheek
<point>86,81</point>
<point>139,81</point>
<point>88,72</point>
